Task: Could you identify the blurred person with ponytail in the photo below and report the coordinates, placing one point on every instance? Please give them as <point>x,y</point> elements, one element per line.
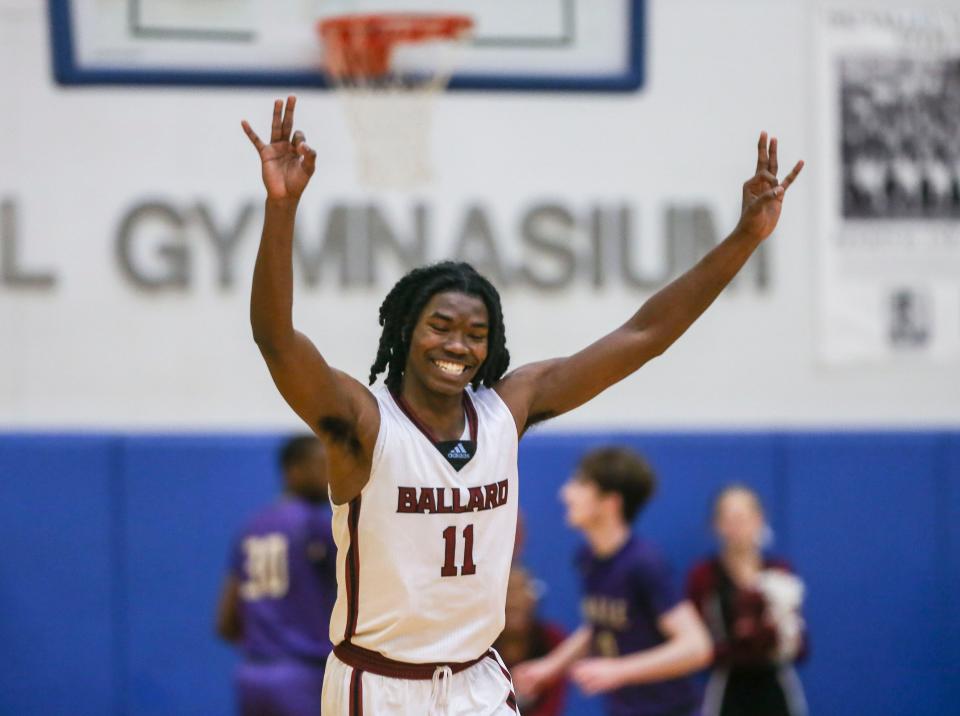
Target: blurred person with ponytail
<point>751,604</point>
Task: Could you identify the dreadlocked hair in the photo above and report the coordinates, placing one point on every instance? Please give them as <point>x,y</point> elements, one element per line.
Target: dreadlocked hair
<point>404,304</point>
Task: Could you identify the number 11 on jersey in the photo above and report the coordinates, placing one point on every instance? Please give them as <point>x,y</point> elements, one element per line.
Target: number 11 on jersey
<point>449,569</point>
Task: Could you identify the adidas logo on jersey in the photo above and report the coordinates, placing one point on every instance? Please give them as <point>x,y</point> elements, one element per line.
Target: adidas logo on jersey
<point>459,452</point>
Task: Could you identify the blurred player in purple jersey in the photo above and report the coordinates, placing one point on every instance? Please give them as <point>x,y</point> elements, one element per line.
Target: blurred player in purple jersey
<point>277,597</point>
<point>640,639</point>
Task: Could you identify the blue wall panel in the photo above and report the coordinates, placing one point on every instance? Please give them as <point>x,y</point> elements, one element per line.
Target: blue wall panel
<point>57,635</point>
<point>949,581</point>
<point>863,518</point>
<point>691,470</point>
<point>185,499</point>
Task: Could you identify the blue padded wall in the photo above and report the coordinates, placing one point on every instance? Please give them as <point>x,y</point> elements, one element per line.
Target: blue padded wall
<point>184,499</point>
<point>57,579</point>
<point>115,547</point>
<point>948,581</point>
<point>863,516</point>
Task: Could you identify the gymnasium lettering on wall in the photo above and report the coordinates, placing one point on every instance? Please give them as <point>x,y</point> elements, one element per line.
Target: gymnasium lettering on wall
<point>157,243</point>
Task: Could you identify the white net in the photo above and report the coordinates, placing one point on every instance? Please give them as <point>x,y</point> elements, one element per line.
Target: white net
<point>391,135</point>
<point>388,71</point>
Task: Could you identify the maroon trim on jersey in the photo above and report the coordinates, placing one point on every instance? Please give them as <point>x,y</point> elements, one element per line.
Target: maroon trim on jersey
<point>352,568</point>
<point>376,663</point>
<point>472,419</point>
<point>356,693</point>
<point>468,408</point>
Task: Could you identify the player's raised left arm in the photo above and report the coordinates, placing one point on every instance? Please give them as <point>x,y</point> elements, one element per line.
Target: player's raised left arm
<point>543,390</point>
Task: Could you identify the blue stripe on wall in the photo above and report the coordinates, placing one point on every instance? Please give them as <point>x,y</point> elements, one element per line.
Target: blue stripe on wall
<point>948,582</point>
<point>56,576</point>
<point>185,498</point>
<point>863,516</point>
<point>114,548</point>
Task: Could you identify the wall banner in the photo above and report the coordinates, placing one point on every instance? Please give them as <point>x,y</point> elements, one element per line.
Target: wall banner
<point>889,244</point>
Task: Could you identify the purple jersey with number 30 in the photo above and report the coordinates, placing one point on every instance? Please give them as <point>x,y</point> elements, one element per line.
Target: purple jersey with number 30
<point>285,562</point>
<point>624,596</point>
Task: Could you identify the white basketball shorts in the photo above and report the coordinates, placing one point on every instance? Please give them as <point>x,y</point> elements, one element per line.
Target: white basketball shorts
<point>484,689</point>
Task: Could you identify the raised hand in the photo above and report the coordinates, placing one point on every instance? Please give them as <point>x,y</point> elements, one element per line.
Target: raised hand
<point>288,162</point>
<point>763,193</point>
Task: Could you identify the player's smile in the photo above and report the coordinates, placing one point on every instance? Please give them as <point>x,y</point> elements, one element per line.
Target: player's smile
<point>454,370</point>
<point>452,367</point>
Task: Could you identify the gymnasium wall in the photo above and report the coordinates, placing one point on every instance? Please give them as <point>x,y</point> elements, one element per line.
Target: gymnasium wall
<point>130,220</point>
<point>115,545</point>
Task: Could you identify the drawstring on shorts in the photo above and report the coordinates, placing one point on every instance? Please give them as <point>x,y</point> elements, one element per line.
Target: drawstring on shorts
<point>440,692</point>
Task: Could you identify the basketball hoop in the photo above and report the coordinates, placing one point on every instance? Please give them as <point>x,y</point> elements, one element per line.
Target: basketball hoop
<point>387,68</point>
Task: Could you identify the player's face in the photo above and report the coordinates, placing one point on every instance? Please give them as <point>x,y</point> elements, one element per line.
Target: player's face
<point>584,501</point>
<point>308,478</point>
<point>739,521</point>
<point>449,342</point>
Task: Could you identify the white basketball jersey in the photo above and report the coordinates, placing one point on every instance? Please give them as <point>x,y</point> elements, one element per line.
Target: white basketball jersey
<point>424,552</point>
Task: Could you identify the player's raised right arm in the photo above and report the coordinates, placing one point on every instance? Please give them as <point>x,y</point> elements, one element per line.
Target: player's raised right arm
<point>298,369</point>
<point>319,394</point>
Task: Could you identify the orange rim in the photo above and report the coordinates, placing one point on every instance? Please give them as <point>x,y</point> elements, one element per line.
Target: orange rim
<point>360,46</point>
